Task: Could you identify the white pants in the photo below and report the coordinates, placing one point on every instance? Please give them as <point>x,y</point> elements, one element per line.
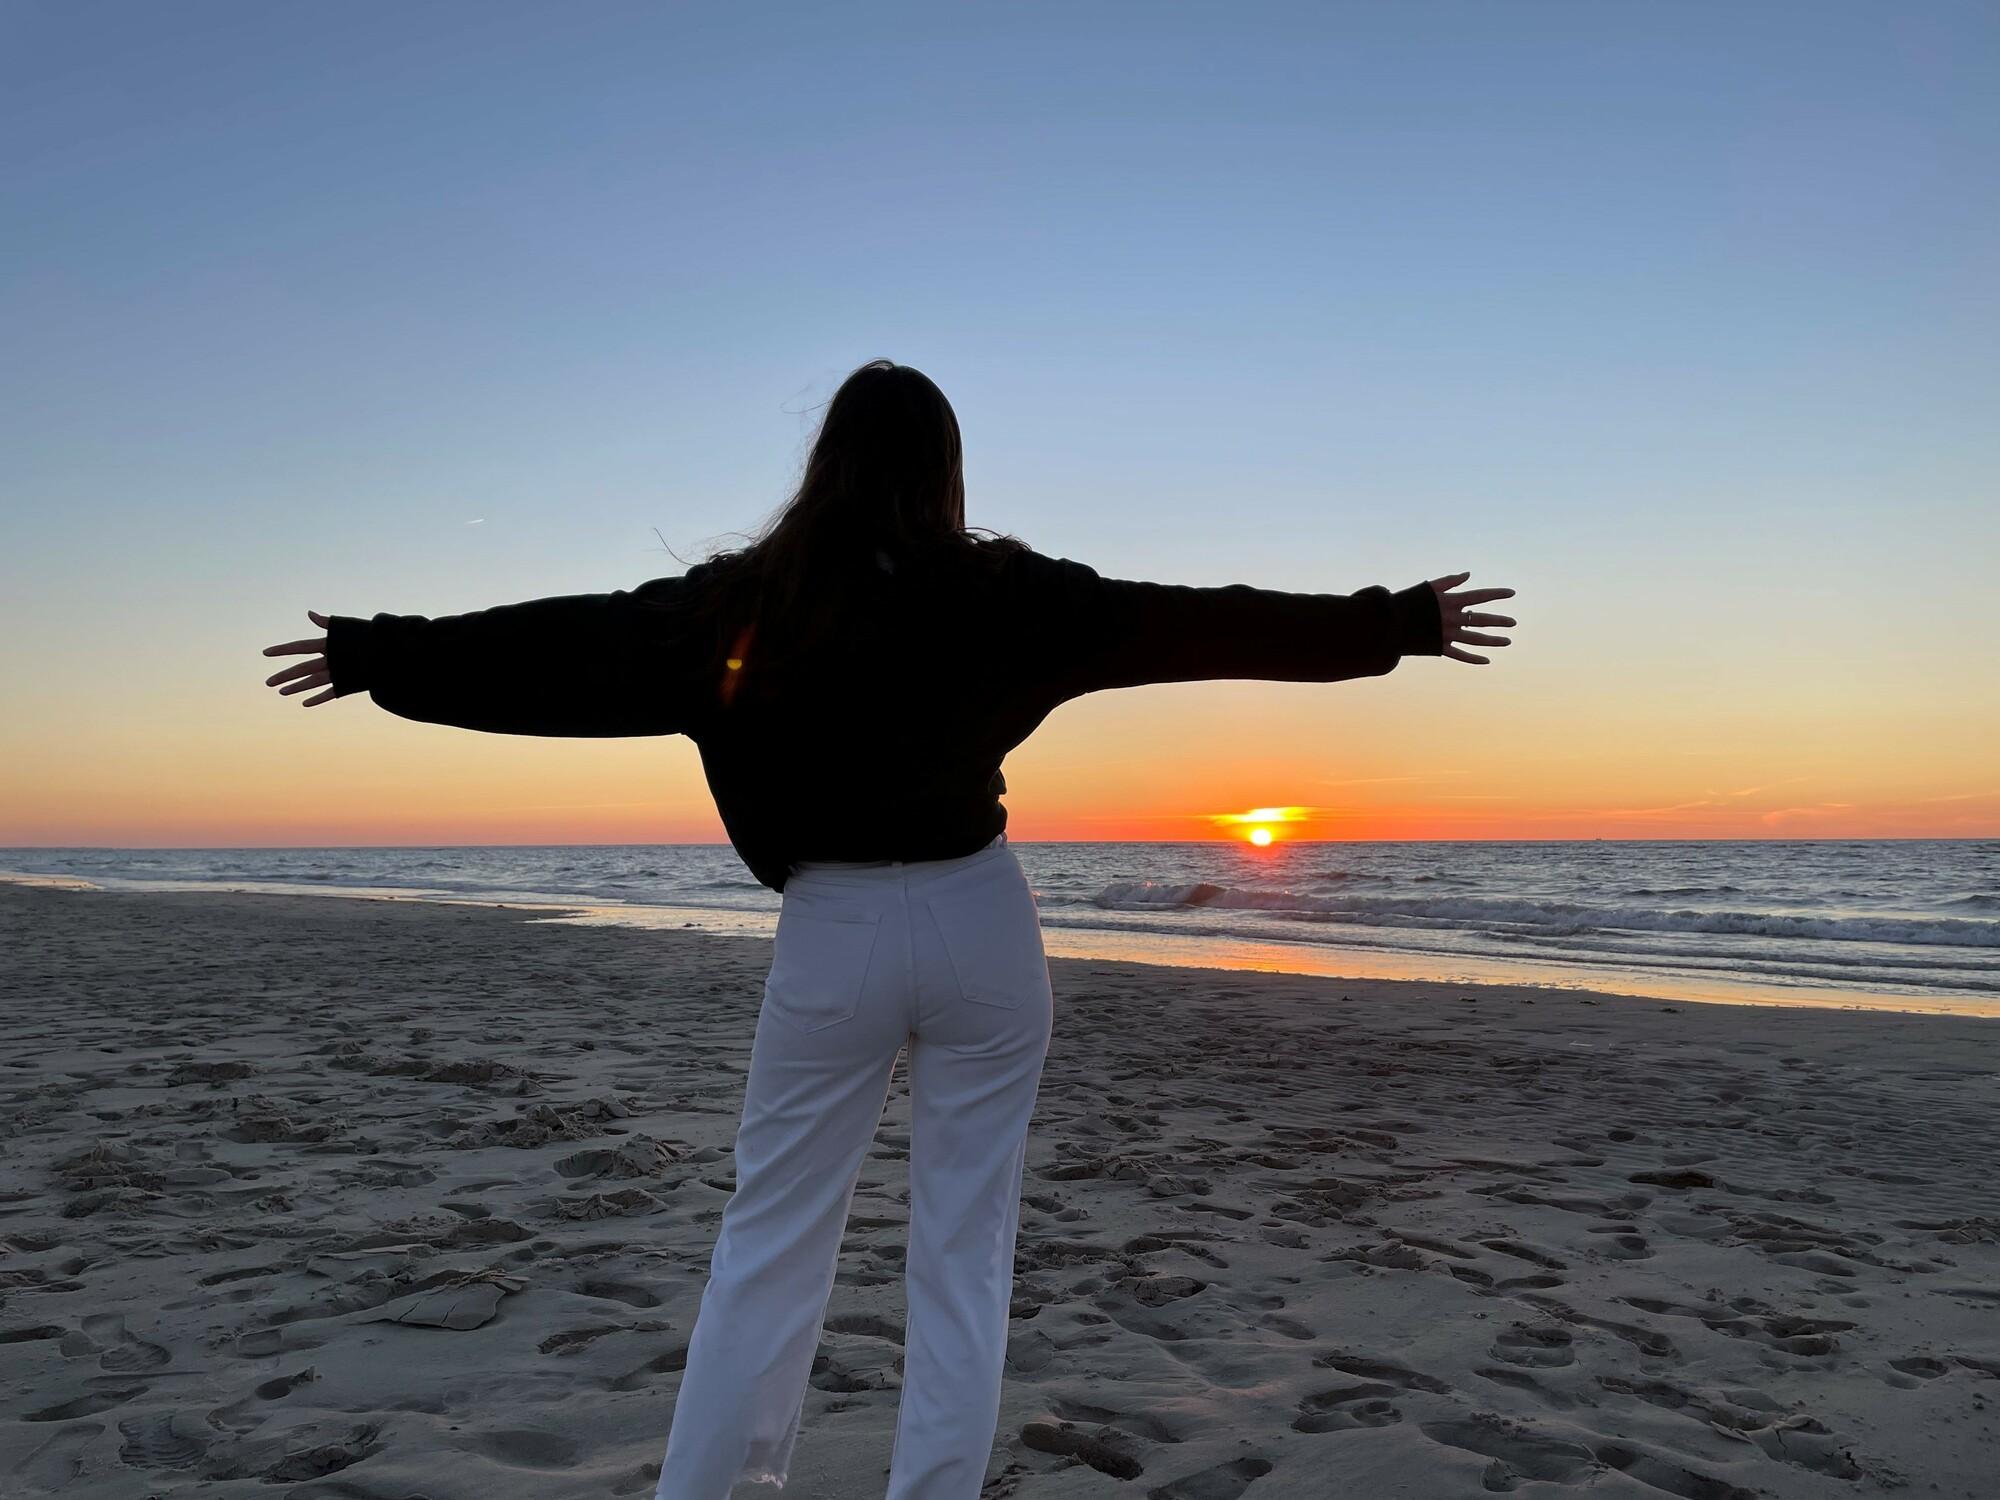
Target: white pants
<point>945,955</point>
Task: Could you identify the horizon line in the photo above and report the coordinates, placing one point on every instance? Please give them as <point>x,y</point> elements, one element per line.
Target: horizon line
<point>1891,838</point>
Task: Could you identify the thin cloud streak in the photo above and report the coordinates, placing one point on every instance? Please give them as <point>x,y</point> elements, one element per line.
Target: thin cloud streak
<point>1369,780</point>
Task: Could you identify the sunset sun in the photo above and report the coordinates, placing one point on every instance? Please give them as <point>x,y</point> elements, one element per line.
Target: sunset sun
<point>1260,824</point>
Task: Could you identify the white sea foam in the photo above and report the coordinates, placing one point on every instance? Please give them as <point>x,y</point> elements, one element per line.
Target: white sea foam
<point>1554,916</point>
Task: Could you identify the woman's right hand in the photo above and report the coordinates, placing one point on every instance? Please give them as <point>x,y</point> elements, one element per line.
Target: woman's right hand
<point>303,676</point>
<point>1457,617</point>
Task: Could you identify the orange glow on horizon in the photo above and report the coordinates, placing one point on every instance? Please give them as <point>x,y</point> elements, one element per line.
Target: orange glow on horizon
<point>1255,825</point>
<point>254,775</point>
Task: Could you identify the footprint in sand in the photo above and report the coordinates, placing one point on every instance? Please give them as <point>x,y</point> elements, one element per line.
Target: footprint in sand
<point>162,1440</point>
<point>284,1385</point>
<point>1667,1476</point>
<point>29,1335</point>
<point>642,1378</point>
<point>640,1481</point>
<point>870,1325</point>
<point>1139,1424</point>
<point>1030,1351</point>
<point>1623,1242</point>
<point>570,1340</point>
<point>1521,1380</point>
<point>326,1458</point>
<point>1536,1345</point>
<point>1192,1241</point>
<point>1346,1407</point>
<point>1134,1304</point>
<point>244,1415</point>
<point>1223,1482</point>
<point>1529,1253</point>
<point>1741,1410</point>
<point>1785,1332</point>
<point>240,1273</point>
<point>87,1406</point>
<point>1518,1453</point>
<point>1528,1283</point>
<point>830,1374</point>
<point>263,1343</point>
<point>1055,1208</point>
<point>1917,1367</point>
<point>1066,1441</point>
<point>525,1448</point>
<point>619,1291</point>
<point>1645,1340</point>
<point>1291,1328</point>
<point>127,1354</point>
<point>1382,1370</point>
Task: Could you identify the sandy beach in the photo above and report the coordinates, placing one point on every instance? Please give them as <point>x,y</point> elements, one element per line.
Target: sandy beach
<point>380,1199</point>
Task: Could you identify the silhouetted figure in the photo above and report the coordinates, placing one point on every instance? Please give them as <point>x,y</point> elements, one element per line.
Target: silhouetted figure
<point>854,679</point>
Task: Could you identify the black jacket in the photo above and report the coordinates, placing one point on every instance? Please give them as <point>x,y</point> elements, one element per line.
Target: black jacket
<point>892,750</point>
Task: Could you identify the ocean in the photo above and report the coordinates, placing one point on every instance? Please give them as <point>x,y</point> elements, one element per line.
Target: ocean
<point>1898,923</point>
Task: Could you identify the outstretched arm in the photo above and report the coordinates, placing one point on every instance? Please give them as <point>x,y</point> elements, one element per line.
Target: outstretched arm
<point>1114,632</point>
<point>585,665</point>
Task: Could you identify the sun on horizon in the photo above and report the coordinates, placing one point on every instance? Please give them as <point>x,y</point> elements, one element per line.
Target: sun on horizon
<point>1257,825</point>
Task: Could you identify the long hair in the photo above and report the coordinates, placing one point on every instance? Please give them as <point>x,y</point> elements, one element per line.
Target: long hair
<point>883,488</point>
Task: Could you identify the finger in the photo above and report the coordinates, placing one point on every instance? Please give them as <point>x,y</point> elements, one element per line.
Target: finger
<point>1458,655</point>
<point>317,618</point>
<point>1449,581</point>
<point>1480,596</point>
<point>318,679</point>
<point>1487,620</point>
<point>324,697</point>
<point>1482,640</point>
<point>293,648</point>
<point>297,668</point>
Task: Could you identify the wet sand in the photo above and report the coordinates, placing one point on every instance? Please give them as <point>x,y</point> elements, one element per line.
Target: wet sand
<point>311,1196</point>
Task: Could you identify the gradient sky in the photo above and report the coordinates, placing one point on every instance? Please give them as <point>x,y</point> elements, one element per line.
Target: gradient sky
<point>1681,320</point>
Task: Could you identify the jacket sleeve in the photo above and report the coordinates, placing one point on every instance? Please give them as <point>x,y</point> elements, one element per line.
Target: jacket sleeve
<point>585,665</point>
<point>1094,632</point>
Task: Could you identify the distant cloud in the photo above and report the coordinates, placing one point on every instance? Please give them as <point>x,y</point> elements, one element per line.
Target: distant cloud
<point>1270,815</point>
<point>1751,790</point>
<point>1960,797</point>
<point>576,806</point>
<point>1817,810</point>
<point>1365,780</point>
<point>1647,812</point>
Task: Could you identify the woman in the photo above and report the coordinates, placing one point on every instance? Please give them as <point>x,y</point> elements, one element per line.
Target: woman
<point>853,680</point>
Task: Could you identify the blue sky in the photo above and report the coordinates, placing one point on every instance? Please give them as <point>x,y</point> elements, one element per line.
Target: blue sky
<point>1679,319</point>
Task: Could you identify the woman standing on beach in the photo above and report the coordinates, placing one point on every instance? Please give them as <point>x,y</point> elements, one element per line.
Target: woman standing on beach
<point>853,680</point>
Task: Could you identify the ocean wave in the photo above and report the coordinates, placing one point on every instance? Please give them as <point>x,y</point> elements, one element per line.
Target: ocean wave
<point>1559,917</point>
<point>1684,890</point>
<point>1884,972</point>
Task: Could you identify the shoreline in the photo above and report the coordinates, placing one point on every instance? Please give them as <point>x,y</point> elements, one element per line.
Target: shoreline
<point>1174,952</point>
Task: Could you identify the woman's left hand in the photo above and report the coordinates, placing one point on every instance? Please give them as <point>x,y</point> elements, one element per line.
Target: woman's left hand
<point>301,675</point>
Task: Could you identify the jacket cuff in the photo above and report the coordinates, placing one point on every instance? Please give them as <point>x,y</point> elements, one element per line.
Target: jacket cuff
<point>350,659</point>
<point>1419,621</point>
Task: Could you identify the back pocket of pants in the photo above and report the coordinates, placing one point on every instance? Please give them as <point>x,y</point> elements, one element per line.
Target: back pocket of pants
<point>992,933</point>
<point>819,963</point>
